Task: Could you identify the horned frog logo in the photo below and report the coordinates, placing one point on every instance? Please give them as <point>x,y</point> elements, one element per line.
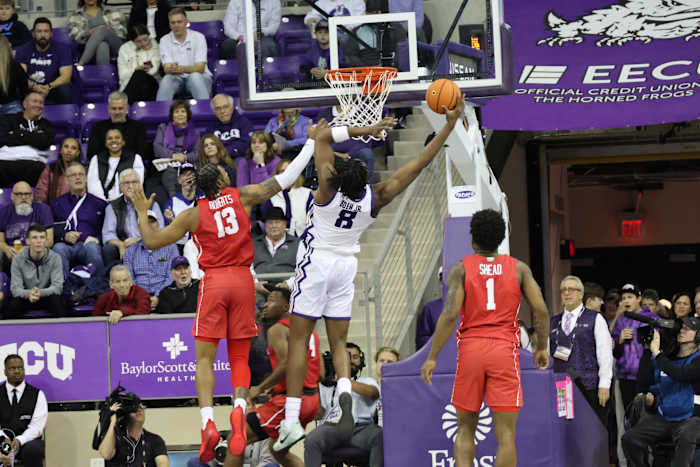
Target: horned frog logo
<point>483,426</point>
<point>628,20</point>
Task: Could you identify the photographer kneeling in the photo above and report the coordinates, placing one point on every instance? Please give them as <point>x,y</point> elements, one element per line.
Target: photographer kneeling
<point>126,442</point>
<point>672,383</point>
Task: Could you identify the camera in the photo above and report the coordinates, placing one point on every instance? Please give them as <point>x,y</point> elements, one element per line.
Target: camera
<point>645,334</point>
<point>130,403</point>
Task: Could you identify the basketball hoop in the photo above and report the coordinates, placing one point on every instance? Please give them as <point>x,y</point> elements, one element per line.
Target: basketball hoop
<point>361,93</point>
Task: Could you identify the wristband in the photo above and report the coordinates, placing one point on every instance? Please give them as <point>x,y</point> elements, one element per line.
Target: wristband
<point>340,134</point>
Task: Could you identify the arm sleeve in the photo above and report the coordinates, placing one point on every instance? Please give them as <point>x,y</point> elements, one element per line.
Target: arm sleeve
<point>685,374</point>
<point>298,164</point>
<point>126,65</point>
<point>56,286</point>
<point>159,448</point>
<point>164,306</point>
<point>155,58</point>
<point>159,149</point>
<point>109,227</point>
<point>129,259</point>
<point>243,173</point>
<point>100,308</point>
<point>139,168</point>
<point>165,52</point>
<point>271,22</point>
<point>200,50</point>
<point>17,281</point>
<point>618,350</point>
<point>42,186</point>
<point>603,351</point>
<point>271,126</point>
<point>645,373</point>
<point>38,421</point>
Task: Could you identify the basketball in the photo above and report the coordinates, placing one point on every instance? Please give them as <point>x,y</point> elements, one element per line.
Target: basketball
<point>442,92</point>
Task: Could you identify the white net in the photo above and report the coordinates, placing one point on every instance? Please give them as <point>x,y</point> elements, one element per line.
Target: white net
<point>361,99</point>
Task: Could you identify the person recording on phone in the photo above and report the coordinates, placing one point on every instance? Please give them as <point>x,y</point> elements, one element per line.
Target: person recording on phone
<point>669,384</point>
<point>127,443</point>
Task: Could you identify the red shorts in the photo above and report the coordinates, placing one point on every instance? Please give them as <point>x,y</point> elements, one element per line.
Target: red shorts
<point>271,413</point>
<point>491,368</point>
<point>226,304</point>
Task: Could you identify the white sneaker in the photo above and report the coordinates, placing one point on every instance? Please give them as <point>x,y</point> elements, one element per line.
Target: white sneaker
<point>289,434</point>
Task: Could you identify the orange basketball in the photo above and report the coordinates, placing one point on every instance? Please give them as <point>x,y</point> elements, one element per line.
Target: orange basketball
<point>442,92</point>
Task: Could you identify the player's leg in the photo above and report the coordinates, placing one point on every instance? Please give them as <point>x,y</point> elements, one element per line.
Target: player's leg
<point>337,331</point>
<point>237,461</point>
<point>465,448</point>
<point>504,424</point>
<point>238,351</point>
<point>284,457</point>
<point>205,351</point>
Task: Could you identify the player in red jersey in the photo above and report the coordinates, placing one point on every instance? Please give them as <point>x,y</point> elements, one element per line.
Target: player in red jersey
<point>220,226</point>
<point>264,421</point>
<point>485,288</point>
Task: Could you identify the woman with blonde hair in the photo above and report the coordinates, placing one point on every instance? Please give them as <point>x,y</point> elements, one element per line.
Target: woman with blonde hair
<point>212,151</point>
<point>13,80</point>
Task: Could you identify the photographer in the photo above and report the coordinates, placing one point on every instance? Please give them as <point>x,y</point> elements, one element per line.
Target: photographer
<point>23,412</point>
<point>126,443</point>
<point>671,383</point>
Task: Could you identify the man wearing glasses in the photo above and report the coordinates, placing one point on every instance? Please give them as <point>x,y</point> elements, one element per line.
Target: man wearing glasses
<point>580,343</point>
<point>233,129</point>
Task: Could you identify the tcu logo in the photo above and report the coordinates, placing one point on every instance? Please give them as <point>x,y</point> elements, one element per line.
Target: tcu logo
<point>37,357</point>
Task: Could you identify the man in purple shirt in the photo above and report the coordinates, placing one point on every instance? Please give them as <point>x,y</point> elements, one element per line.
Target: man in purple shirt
<point>16,218</point>
<point>79,216</point>
<point>48,64</point>
<point>233,129</point>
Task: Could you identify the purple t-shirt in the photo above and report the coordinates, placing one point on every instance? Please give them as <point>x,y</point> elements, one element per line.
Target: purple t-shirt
<point>42,67</point>
<point>15,226</point>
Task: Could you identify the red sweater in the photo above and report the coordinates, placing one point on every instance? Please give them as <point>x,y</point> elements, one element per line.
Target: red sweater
<point>137,302</point>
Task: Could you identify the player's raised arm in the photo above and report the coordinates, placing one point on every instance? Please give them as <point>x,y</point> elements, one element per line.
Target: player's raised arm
<point>385,192</point>
<point>185,222</point>
<point>261,192</point>
<point>533,295</point>
<point>448,318</point>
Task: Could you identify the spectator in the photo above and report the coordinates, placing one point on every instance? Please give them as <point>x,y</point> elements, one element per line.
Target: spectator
<point>611,307</point>
<point>113,160</point>
<point>24,139</point>
<point>187,179</point>
<point>133,131</point>
<point>682,305</point>
<point>294,201</point>
<point>28,419</point>
<point>125,298</point>
<point>233,129</point>
<point>367,435</point>
<point>382,37</point>
<point>211,150</point>
<point>16,218</point>
<point>334,8</point>
<point>650,300</point>
<point>354,148</point>
<point>127,443</point>
<point>696,301</point>
<point>13,79</point>
<point>181,295</point>
<point>579,340</point>
<point>138,64</point>
<point>150,268</point>
<point>36,281</point>
<point>276,250</point>
<point>121,229</point>
<point>10,26</point>
<point>317,60</point>
<point>153,14</point>
<point>100,31</point>
<point>234,27</point>
<point>425,327</point>
<point>259,162</point>
<point>670,383</point>
<point>383,356</point>
<point>78,240</point>
<point>178,140</point>
<point>184,57</point>
<point>407,6</point>
<point>48,64</point>
<point>627,350</point>
<point>593,296</point>
<point>291,125</point>
<point>52,181</point>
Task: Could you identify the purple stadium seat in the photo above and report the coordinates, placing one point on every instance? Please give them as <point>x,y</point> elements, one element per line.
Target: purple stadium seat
<point>61,35</point>
<point>95,82</point>
<point>89,115</point>
<point>226,77</point>
<point>214,33</point>
<point>151,114</point>
<point>258,118</point>
<point>65,119</point>
<point>5,196</point>
<point>293,36</point>
<point>202,115</point>
<point>279,70</point>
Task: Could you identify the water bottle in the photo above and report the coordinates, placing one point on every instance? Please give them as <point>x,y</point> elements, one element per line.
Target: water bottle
<point>380,414</point>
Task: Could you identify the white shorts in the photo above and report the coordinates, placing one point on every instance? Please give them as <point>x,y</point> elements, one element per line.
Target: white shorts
<point>324,285</point>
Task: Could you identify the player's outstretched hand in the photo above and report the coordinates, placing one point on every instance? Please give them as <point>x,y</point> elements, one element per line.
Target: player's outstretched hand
<point>139,200</point>
<point>426,371</point>
<point>316,129</point>
<point>378,129</point>
<point>541,359</point>
<point>454,114</point>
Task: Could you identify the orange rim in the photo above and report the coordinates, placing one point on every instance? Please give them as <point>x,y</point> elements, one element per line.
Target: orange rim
<point>359,75</point>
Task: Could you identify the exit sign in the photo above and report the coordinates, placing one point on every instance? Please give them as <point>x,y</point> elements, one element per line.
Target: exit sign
<point>632,228</point>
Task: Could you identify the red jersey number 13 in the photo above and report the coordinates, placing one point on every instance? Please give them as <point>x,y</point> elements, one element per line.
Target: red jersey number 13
<point>227,215</point>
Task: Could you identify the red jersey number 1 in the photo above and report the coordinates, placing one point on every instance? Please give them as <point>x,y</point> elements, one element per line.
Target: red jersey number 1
<point>490,295</point>
<point>229,216</point>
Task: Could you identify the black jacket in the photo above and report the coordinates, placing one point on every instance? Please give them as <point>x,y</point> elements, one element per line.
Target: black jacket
<point>15,130</point>
<point>174,300</point>
<point>16,31</point>
<point>138,16</point>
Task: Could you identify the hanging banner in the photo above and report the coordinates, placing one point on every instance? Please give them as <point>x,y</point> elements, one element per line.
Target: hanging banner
<point>600,64</point>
